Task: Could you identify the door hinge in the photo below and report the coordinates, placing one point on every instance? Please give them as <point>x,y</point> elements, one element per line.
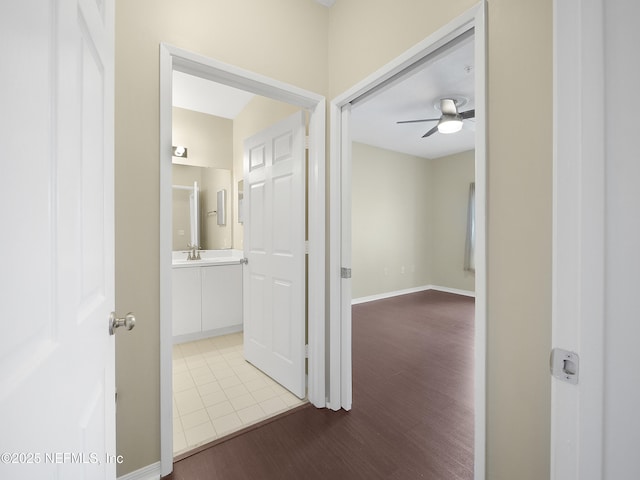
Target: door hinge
<point>345,272</point>
<point>306,351</point>
<point>306,247</point>
<point>306,142</point>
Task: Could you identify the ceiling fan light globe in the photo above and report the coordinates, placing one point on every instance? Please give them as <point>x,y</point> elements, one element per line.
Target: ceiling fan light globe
<point>449,125</point>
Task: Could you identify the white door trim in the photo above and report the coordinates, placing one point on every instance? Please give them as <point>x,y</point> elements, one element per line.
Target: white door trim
<point>578,237</point>
<point>174,58</point>
<point>339,317</point>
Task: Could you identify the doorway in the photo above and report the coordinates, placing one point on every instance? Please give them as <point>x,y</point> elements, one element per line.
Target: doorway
<point>472,23</point>
<point>218,386</point>
<point>174,59</point>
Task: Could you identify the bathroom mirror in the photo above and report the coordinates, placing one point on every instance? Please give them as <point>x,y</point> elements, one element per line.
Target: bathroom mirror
<point>186,202</point>
<point>200,207</point>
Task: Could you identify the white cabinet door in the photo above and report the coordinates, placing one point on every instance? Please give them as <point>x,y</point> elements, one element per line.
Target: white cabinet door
<point>57,388</point>
<point>274,238</point>
<point>221,296</point>
<point>186,309</point>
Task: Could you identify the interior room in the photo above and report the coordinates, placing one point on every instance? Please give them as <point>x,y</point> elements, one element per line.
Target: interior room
<point>413,279</point>
<point>561,225</point>
<point>216,392</point>
<point>411,179</point>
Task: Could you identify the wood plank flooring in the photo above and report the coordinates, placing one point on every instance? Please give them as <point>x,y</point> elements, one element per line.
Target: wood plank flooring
<point>412,415</point>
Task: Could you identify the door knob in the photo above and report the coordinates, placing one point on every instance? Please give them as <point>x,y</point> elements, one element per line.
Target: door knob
<point>129,321</point>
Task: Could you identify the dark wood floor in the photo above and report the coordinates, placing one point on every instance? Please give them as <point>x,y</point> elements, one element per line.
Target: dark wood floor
<point>412,415</point>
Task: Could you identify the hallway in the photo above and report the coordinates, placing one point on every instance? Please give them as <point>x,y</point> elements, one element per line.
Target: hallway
<point>412,413</point>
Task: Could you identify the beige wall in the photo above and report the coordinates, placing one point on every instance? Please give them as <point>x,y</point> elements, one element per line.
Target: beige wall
<point>452,176</point>
<point>251,34</point>
<point>328,51</point>
<point>363,36</point>
<point>519,231</point>
<point>209,139</point>
<point>392,221</point>
<point>409,218</point>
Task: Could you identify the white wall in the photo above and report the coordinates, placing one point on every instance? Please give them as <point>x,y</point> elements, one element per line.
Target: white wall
<point>622,321</point>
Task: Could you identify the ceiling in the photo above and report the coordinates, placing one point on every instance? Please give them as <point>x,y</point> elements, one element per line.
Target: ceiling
<point>206,96</point>
<point>415,95</point>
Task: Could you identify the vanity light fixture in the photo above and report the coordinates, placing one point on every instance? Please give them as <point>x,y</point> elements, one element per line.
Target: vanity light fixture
<point>180,151</point>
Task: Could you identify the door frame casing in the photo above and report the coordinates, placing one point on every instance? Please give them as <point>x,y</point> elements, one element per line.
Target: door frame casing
<point>174,58</point>
<point>578,279</point>
<point>340,388</point>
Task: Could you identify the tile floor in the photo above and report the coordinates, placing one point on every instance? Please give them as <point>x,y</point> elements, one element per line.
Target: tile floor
<point>216,392</point>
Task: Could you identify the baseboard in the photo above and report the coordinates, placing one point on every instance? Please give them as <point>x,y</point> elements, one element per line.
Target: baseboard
<point>466,293</point>
<point>381,296</point>
<point>216,332</point>
<point>150,472</point>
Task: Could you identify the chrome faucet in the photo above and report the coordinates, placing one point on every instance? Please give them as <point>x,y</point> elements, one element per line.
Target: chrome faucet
<point>194,252</point>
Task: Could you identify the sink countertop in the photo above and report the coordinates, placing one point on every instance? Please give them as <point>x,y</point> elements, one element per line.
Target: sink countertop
<point>228,257</point>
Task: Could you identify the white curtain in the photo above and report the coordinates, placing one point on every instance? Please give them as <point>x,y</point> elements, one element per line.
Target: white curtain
<point>470,246</point>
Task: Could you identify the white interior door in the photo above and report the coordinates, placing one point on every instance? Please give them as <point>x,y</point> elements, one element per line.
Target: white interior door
<point>57,405</point>
<point>274,245</point>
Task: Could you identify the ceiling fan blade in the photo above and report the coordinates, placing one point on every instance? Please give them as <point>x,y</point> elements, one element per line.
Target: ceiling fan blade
<point>430,132</point>
<point>418,121</point>
<point>468,114</point>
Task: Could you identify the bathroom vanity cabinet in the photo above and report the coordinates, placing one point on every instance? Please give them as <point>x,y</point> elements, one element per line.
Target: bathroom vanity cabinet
<point>207,301</point>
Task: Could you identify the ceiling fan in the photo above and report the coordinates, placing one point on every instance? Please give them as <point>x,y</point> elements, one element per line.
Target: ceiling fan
<point>449,122</point>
